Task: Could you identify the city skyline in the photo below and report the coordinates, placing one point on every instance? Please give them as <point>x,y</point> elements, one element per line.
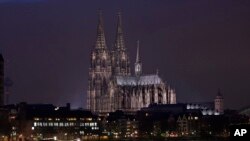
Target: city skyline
<point>46,47</point>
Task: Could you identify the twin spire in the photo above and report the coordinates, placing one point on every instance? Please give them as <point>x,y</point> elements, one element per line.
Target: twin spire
<point>101,41</point>
<point>119,42</point>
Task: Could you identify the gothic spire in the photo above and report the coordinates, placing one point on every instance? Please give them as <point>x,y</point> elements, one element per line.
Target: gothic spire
<point>100,40</point>
<point>138,53</point>
<point>219,93</point>
<point>138,65</point>
<point>119,41</point>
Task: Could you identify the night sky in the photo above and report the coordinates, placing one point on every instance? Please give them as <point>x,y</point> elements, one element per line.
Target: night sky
<point>197,45</point>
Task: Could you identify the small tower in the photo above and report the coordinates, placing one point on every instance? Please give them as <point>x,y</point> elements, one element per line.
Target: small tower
<point>138,65</point>
<point>219,103</point>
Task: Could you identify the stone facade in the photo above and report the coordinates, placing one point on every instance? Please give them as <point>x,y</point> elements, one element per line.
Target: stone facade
<point>111,86</point>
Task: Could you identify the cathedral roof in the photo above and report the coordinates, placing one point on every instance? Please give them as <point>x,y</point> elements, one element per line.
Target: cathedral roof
<point>140,80</point>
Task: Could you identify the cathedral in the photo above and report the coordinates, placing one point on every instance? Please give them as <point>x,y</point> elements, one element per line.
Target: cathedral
<point>111,84</point>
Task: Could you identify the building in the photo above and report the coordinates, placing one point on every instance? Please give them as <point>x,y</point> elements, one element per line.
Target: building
<point>5,124</point>
<point>245,111</point>
<point>121,125</point>
<point>219,103</point>
<point>169,119</point>
<point>112,86</point>
<point>49,122</point>
<point>1,80</point>
<point>215,107</point>
<point>188,124</point>
<point>182,124</point>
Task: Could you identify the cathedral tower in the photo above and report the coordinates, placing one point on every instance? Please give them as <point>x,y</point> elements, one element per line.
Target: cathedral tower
<point>111,85</point>
<point>120,59</point>
<point>138,65</point>
<point>99,71</point>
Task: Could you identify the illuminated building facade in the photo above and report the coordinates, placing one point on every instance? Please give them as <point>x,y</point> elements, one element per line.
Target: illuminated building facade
<point>188,124</point>
<point>47,122</point>
<point>111,84</point>
<point>121,125</point>
<point>209,108</point>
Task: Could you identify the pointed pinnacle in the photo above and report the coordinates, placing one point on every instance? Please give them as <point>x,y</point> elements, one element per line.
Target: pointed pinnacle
<point>119,41</point>
<point>100,41</point>
<point>119,24</point>
<point>138,53</point>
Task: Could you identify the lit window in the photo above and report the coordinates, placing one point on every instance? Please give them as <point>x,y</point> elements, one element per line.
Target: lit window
<point>81,132</point>
<point>60,124</point>
<point>89,119</point>
<point>45,124</point>
<point>40,124</point>
<point>50,124</point>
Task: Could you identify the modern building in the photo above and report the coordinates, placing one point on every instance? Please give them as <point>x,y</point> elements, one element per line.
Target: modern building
<point>1,80</point>
<point>112,86</point>
<point>49,122</point>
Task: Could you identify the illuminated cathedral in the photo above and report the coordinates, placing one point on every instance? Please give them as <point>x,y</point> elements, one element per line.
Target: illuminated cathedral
<point>111,84</point>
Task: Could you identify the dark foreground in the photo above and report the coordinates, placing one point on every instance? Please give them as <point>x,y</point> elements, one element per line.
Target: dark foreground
<point>173,139</point>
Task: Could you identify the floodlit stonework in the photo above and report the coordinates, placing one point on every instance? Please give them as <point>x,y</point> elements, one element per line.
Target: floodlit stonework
<point>111,84</point>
